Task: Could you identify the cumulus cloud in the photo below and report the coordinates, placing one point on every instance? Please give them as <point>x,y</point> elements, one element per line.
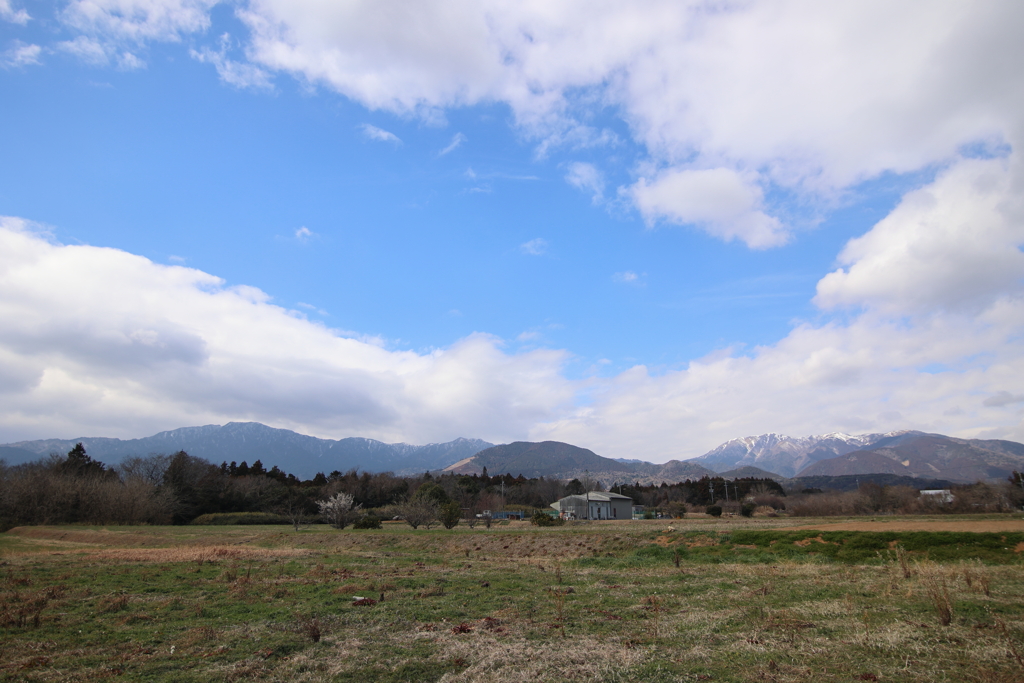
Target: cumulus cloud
<point>379,134</point>
<point>535,247</point>
<point>953,244</point>
<point>856,378</point>
<point>812,98</point>
<point>783,91</point>
<point>304,234</point>
<point>97,340</point>
<point>717,200</point>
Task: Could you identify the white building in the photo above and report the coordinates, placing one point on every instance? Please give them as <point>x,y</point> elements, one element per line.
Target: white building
<point>940,495</point>
<point>595,505</point>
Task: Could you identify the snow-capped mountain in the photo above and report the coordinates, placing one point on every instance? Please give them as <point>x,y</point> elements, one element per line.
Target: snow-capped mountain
<point>787,455</point>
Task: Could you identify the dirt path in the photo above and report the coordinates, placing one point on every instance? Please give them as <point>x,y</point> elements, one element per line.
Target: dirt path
<point>993,525</point>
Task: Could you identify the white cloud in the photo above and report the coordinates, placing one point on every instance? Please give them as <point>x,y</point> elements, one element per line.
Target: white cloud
<point>130,62</point>
<point>535,247</point>
<point>379,134</point>
<point>97,340</point>
<point>138,20</point>
<point>88,50</point>
<point>779,93</point>
<point>809,97</point>
<point>21,55</point>
<point>587,178</point>
<point>238,74</point>
<point>935,338</point>
<point>860,377</point>
<point>456,142</point>
<point>718,200</point>
<point>627,277</point>
<point>311,307</point>
<point>8,13</point>
<point>304,234</point>
<point>101,341</point>
<point>954,244</point>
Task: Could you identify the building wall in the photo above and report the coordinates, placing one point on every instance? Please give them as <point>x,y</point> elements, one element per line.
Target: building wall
<point>622,509</point>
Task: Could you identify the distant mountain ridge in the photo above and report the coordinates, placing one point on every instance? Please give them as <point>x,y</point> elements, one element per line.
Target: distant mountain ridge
<point>295,453</point>
<point>932,456</point>
<point>899,454</point>
<point>557,460</point>
<point>784,455</point>
<point>903,453</point>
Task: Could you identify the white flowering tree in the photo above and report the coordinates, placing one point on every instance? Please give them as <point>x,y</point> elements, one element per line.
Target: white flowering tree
<point>338,510</point>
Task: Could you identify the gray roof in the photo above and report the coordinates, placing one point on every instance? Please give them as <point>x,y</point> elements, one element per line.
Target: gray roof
<point>596,496</point>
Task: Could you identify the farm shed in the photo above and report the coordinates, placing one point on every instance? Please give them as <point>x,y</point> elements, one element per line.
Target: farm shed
<point>595,505</point>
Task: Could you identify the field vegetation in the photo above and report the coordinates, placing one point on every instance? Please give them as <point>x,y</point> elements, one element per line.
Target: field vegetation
<point>716,599</point>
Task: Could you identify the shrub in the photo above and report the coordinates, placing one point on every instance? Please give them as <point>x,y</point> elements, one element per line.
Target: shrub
<point>367,522</point>
<point>231,518</point>
<point>449,514</point>
<point>748,509</point>
<point>714,510</point>
<point>544,519</point>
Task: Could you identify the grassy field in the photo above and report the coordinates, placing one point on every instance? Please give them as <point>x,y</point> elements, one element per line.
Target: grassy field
<point>686,600</point>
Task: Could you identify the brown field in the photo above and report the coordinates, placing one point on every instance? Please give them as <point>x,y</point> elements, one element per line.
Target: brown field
<point>904,524</point>
<point>651,601</point>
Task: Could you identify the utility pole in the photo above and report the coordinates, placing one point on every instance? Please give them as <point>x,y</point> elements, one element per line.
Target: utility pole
<point>711,485</point>
<point>586,485</point>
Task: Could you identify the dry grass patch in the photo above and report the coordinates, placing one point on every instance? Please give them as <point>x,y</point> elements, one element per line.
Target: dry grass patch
<point>492,660</point>
<point>197,554</point>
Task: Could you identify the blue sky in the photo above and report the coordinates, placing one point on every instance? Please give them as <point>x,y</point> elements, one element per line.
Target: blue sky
<point>644,230</point>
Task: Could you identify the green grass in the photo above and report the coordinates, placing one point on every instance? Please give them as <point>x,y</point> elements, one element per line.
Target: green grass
<point>746,603</point>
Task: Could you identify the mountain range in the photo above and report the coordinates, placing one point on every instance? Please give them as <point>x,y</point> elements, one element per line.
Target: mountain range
<point>906,453</point>
<point>554,459</point>
<point>903,454</point>
<point>294,453</point>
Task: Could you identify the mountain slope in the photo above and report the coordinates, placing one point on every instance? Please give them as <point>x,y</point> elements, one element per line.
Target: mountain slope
<point>928,456</point>
<point>788,455</point>
<point>298,454</point>
<point>554,459</point>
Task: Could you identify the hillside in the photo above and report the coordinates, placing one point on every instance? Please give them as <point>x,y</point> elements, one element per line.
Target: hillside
<point>787,455</point>
<point>554,459</point>
<point>928,456</point>
<point>749,472</point>
<point>296,453</point>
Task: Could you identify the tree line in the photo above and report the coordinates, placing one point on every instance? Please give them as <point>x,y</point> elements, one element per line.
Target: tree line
<point>181,488</point>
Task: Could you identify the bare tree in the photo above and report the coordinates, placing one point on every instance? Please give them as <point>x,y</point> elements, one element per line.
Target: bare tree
<point>418,512</point>
<point>150,469</point>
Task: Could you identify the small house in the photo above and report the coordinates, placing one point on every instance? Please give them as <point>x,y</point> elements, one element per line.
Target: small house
<point>595,505</point>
